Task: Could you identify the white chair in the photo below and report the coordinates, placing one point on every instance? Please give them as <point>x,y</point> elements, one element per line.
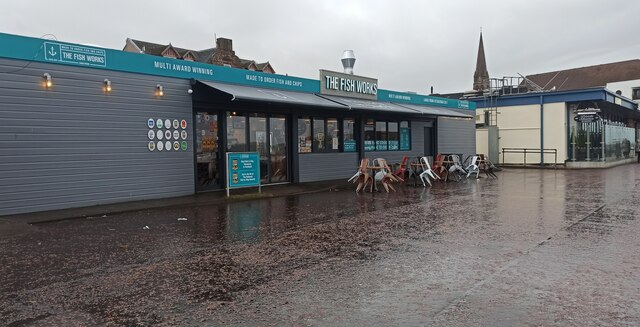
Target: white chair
<point>427,172</point>
<point>456,167</point>
<point>473,167</point>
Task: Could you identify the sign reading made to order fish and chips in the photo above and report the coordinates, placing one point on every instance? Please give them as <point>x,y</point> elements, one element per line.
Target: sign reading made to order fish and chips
<point>243,170</point>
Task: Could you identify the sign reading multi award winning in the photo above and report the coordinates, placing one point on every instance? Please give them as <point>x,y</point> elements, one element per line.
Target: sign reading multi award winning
<point>243,170</point>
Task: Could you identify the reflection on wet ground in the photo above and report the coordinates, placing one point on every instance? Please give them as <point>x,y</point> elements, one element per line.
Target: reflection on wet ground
<point>532,247</point>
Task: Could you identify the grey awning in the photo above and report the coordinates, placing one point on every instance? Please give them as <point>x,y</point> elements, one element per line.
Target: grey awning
<point>239,92</point>
<point>437,111</point>
<point>359,104</point>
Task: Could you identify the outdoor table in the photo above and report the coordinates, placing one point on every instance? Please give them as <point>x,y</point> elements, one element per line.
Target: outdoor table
<point>416,175</point>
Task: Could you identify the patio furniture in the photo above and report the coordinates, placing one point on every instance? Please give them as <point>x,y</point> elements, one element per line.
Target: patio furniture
<point>427,172</point>
<point>455,167</point>
<point>487,166</point>
<point>362,176</point>
<point>383,174</point>
<point>438,165</point>
<point>402,168</point>
<point>473,167</point>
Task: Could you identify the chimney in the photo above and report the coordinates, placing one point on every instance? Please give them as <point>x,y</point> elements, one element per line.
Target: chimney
<point>224,44</point>
<point>348,60</point>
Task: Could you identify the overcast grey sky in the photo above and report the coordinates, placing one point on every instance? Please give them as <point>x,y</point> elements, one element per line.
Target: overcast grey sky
<point>407,45</point>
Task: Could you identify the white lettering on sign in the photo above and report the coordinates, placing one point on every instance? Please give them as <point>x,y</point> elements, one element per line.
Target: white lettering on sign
<point>182,68</point>
<point>272,80</point>
<point>350,85</point>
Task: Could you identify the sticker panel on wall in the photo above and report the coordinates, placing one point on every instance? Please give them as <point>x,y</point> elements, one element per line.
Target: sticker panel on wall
<point>151,134</point>
<point>167,123</point>
<point>176,135</point>
<point>183,124</point>
<point>151,146</point>
<point>183,145</point>
<point>176,124</point>
<point>176,145</point>
<point>167,145</point>
<point>159,134</point>
<point>167,134</point>
<point>160,146</point>
<point>159,123</point>
<point>151,123</point>
<point>183,135</point>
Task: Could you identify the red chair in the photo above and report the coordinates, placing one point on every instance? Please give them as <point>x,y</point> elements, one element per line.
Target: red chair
<point>438,165</point>
<point>402,168</point>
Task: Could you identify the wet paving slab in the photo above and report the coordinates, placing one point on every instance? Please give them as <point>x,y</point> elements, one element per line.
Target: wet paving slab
<point>533,247</point>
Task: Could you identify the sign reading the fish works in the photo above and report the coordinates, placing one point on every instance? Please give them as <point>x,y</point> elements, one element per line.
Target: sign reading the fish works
<point>340,84</point>
<point>74,54</point>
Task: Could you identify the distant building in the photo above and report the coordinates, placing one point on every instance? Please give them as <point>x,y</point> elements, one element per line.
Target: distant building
<point>481,75</point>
<point>222,54</point>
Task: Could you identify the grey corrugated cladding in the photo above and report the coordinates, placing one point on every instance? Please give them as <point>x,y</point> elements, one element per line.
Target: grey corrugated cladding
<point>74,145</point>
<point>315,167</point>
<point>456,135</point>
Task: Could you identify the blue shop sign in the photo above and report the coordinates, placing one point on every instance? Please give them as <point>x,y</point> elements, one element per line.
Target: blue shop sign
<point>350,146</point>
<point>243,169</point>
<point>405,139</point>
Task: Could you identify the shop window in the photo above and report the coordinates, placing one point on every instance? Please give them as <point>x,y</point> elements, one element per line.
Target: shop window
<point>333,134</point>
<point>405,136</point>
<point>319,133</point>
<point>236,133</point>
<point>392,136</point>
<point>635,93</point>
<point>304,135</point>
<point>369,136</point>
<point>381,136</point>
<point>349,143</point>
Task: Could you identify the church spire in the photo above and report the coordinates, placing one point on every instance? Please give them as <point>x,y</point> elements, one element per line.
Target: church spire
<point>481,76</point>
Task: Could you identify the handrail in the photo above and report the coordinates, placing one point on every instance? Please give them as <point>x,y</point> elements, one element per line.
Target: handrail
<point>524,151</point>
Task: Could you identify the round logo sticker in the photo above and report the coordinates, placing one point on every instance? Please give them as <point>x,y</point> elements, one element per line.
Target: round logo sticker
<point>183,145</point>
<point>151,146</point>
<point>176,123</point>
<point>159,123</point>
<point>159,134</point>
<point>176,145</point>
<point>151,123</point>
<point>183,124</point>
<point>160,146</point>
<point>176,135</point>
<point>183,135</point>
<point>151,134</point>
<point>167,134</point>
<point>167,123</point>
<point>206,117</point>
<point>167,145</point>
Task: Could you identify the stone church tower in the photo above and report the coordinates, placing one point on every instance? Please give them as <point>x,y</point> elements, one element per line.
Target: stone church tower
<point>481,76</point>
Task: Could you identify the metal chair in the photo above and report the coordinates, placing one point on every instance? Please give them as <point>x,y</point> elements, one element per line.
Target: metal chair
<point>427,172</point>
<point>473,167</point>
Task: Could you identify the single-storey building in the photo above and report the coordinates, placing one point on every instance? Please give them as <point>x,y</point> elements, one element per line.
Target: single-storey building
<point>82,125</point>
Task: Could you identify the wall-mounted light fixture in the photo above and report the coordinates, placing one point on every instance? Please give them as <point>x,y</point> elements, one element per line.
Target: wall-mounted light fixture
<point>47,80</point>
<point>107,85</point>
<point>159,90</point>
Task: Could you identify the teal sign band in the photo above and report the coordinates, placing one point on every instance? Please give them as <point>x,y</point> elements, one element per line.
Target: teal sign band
<point>400,97</point>
<point>405,139</point>
<point>34,49</point>
<point>49,51</point>
<point>243,169</point>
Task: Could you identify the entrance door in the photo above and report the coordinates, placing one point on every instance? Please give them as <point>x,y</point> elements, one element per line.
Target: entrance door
<point>429,148</point>
<point>265,134</point>
<point>207,151</point>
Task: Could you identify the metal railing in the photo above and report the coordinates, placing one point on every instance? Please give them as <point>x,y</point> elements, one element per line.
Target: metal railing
<point>526,151</point>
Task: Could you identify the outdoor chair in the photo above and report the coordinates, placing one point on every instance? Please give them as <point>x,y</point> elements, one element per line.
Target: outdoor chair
<point>402,168</point>
<point>362,176</point>
<point>490,168</point>
<point>438,165</point>
<point>427,172</point>
<point>384,175</point>
<point>414,169</point>
<point>473,167</point>
<point>456,167</point>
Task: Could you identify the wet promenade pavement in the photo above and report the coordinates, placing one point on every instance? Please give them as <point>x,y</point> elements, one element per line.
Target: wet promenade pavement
<point>532,248</point>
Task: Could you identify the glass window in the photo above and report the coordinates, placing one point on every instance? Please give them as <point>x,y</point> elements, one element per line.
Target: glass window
<point>405,136</point>
<point>304,135</point>
<point>381,136</point>
<point>333,134</point>
<point>392,135</point>
<point>369,136</point>
<point>236,133</point>
<point>319,139</point>
<point>278,148</point>
<point>349,143</point>
<point>258,143</point>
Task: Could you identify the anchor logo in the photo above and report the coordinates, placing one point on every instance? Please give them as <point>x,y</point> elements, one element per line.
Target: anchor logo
<point>52,52</point>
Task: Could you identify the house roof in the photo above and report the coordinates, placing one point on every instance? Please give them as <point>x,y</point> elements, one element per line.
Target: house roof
<point>591,76</point>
